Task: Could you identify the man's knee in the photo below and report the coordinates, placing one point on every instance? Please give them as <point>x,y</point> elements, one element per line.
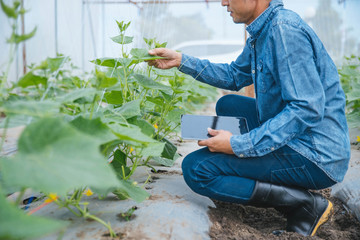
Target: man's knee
<point>223,105</point>
<point>196,175</point>
<point>188,168</point>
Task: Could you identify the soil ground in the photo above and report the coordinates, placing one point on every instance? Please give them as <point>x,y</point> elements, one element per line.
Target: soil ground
<point>235,221</point>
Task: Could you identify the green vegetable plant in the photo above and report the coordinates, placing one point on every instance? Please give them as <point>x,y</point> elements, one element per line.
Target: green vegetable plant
<point>13,13</point>
<point>92,131</point>
<point>350,80</point>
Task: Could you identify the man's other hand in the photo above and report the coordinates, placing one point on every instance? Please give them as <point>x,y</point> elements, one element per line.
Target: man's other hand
<point>171,58</point>
<point>219,142</point>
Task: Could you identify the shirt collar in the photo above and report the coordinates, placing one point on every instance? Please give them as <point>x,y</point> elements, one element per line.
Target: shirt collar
<point>257,25</point>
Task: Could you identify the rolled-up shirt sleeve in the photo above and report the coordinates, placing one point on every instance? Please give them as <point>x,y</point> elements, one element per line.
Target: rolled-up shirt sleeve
<point>232,76</point>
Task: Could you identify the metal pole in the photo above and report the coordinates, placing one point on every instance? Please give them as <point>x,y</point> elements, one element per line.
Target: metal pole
<point>56,29</point>
<point>83,35</point>
<point>23,43</point>
<point>150,1</point>
<point>103,26</point>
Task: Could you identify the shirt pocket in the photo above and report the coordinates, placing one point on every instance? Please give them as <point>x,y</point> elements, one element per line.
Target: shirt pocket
<point>264,77</point>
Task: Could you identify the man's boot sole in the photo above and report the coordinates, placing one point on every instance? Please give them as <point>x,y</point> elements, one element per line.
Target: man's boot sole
<point>326,215</point>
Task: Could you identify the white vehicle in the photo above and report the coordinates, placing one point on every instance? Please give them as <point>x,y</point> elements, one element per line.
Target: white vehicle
<point>216,51</point>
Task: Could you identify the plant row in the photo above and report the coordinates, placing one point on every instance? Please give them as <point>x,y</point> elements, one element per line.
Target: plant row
<point>88,132</point>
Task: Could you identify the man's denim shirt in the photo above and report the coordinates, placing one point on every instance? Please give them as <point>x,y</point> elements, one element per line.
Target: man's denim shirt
<point>299,98</point>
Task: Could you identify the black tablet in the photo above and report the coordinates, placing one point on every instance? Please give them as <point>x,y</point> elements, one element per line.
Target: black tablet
<point>195,126</point>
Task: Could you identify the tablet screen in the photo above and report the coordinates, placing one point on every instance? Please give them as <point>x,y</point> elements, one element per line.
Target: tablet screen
<point>195,126</point>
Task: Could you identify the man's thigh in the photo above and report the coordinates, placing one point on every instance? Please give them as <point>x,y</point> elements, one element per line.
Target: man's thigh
<point>283,167</point>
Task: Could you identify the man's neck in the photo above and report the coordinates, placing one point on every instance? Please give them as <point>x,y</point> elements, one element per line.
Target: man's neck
<point>261,6</point>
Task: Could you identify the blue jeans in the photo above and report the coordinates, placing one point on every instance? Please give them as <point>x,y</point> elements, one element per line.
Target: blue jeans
<point>229,178</point>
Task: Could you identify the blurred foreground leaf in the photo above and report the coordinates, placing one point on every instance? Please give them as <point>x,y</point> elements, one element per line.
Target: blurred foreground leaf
<point>15,224</point>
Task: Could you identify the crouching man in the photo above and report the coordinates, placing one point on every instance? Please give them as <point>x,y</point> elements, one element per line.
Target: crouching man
<point>298,137</point>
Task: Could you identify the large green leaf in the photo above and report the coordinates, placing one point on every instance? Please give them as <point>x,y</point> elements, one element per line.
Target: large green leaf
<point>55,157</point>
<point>141,54</point>
<point>354,119</point>
<point>76,94</point>
<point>354,94</point>
<point>169,150</point>
<point>129,109</point>
<point>114,97</point>
<point>129,189</point>
<point>94,128</point>
<point>32,108</point>
<point>164,161</point>
<point>110,116</point>
<point>132,134</point>
<point>30,79</point>
<point>104,81</point>
<point>121,39</point>
<point>158,101</point>
<point>165,72</point>
<point>148,83</point>
<point>15,224</point>
<point>153,149</point>
<point>175,115</point>
<point>144,125</point>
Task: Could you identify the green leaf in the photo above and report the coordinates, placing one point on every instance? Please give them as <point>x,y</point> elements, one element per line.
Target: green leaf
<point>136,193</point>
<point>55,157</point>
<point>148,83</point>
<point>114,97</point>
<point>354,94</point>
<point>110,116</point>
<point>132,134</point>
<point>15,38</point>
<point>104,81</point>
<point>129,109</point>
<point>175,115</point>
<point>94,128</point>
<point>165,72</point>
<point>55,63</point>
<point>112,62</point>
<point>153,149</point>
<point>76,94</point>
<point>119,163</point>
<point>159,101</point>
<point>9,11</point>
<point>353,119</point>
<point>169,150</point>
<point>167,97</point>
<point>30,79</point>
<point>141,54</point>
<point>32,108</point>
<point>144,125</point>
<point>15,224</point>
<point>164,161</point>
<point>121,39</point>
<point>123,26</point>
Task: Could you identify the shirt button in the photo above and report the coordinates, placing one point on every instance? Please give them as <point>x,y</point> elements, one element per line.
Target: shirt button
<point>241,155</point>
<point>253,71</point>
<point>272,149</point>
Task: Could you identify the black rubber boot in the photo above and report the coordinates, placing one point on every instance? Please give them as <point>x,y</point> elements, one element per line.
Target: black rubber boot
<point>305,210</point>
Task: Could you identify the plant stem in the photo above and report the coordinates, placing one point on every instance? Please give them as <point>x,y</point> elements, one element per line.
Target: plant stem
<point>19,198</point>
<point>4,133</point>
<point>86,215</point>
<point>11,59</point>
<point>112,233</point>
<point>75,213</point>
